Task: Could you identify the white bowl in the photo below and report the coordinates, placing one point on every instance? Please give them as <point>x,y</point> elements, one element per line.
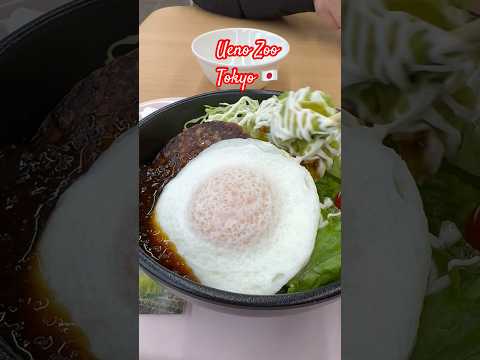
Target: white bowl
<point>204,45</point>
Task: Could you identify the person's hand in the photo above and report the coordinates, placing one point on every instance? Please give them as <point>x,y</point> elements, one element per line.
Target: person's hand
<point>331,10</point>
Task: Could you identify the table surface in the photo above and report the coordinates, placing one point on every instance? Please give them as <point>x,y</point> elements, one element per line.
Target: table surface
<point>168,68</point>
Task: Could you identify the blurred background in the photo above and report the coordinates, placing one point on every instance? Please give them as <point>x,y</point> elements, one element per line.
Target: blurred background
<point>15,13</point>
<point>148,6</point>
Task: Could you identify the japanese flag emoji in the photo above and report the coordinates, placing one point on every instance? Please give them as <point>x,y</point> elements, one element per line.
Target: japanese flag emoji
<point>269,75</point>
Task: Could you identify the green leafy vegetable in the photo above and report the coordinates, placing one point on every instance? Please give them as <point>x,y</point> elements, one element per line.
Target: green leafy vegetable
<point>336,169</point>
<point>450,323</point>
<point>325,262</point>
<point>324,265</point>
<point>449,326</point>
<point>459,250</point>
<point>328,187</point>
<point>468,156</point>
<point>450,195</point>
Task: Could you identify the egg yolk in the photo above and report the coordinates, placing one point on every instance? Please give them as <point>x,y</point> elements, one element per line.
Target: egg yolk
<point>233,208</point>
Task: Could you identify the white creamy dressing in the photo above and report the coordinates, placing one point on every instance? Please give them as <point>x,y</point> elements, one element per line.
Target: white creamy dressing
<point>322,133</point>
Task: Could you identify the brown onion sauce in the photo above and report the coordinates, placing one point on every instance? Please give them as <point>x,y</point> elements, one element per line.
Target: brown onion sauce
<point>32,322</point>
<point>151,238</point>
<point>35,325</point>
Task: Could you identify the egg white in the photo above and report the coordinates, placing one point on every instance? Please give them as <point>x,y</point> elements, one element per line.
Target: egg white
<point>87,250</point>
<point>266,264</point>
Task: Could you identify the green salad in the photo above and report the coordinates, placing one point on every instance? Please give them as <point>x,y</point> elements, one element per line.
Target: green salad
<point>450,322</point>
<point>325,263</point>
<point>306,124</point>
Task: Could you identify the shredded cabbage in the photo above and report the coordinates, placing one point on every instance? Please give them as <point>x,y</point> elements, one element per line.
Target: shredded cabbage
<point>304,123</point>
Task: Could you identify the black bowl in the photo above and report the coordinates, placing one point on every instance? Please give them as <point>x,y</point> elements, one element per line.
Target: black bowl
<point>155,131</point>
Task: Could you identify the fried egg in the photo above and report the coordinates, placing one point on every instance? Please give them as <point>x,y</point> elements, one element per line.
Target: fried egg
<point>243,214</point>
<point>87,250</point>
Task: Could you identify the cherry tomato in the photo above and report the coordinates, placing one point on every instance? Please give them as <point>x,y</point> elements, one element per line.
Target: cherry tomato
<point>472,229</point>
<point>338,200</point>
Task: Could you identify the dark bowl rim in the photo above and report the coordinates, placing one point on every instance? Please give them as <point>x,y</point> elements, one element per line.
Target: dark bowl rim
<point>25,30</point>
<point>221,297</point>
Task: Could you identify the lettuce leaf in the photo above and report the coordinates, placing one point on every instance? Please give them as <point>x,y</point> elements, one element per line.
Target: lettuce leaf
<point>451,195</point>
<point>336,169</point>
<point>328,186</point>
<point>468,156</point>
<point>325,262</point>
<point>449,326</point>
<point>324,265</point>
<point>450,323</point>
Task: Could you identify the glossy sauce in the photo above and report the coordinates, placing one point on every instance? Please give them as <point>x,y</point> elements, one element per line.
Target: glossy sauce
<point>152,239</point>
<point>36,325</point>
<point>32,323</point>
